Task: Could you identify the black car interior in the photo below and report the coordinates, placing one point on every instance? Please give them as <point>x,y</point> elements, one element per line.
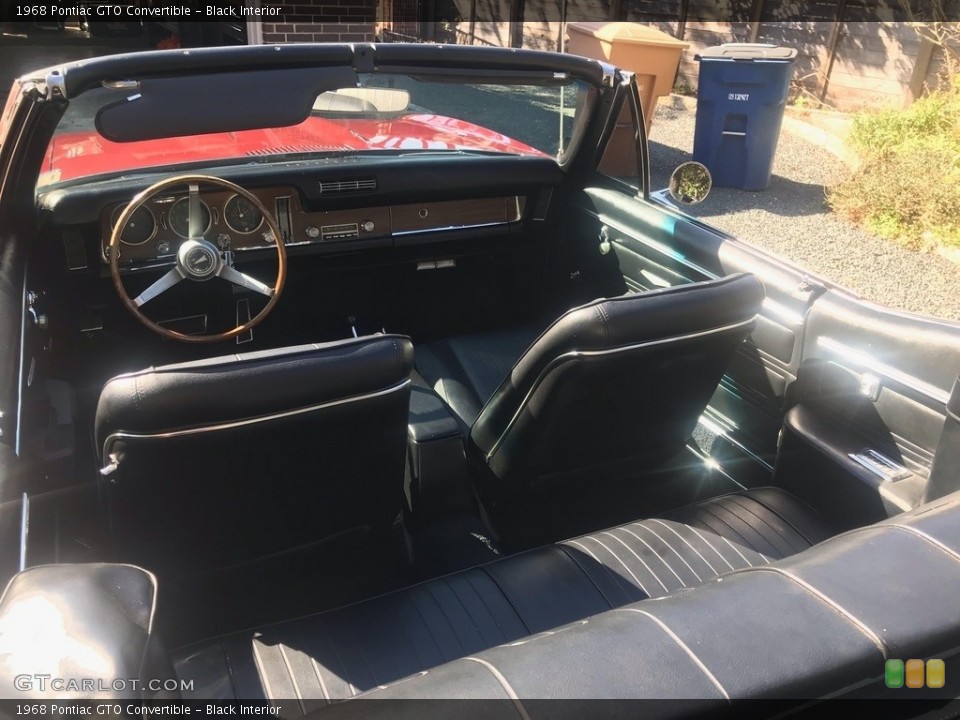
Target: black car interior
<point>373,493</point>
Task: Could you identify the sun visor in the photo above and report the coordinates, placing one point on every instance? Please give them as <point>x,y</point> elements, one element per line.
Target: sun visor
<point>223,102</point>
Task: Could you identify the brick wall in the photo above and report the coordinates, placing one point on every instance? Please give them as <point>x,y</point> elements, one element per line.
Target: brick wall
<point>321,21</point>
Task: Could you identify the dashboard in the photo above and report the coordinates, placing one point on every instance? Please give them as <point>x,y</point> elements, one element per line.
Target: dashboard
<point>154,233</point>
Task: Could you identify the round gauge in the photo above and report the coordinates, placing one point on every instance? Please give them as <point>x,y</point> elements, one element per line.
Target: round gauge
<point>140,228</point>
<point>178,217</point>
<point>242,215</point>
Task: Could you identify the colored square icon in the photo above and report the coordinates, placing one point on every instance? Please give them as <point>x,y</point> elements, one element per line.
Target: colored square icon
<point>893,673</point>
<point>914,673</point>
<point>936,674</point>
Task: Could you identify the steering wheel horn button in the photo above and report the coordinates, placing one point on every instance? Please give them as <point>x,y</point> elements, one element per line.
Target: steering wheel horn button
<point>198,260</point>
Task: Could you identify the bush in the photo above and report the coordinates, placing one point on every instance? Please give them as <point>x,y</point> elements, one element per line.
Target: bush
<point>908,185</point>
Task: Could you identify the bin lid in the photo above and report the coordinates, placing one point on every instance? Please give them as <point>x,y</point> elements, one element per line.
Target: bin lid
<point>747,51</point>
<point>627,32</point>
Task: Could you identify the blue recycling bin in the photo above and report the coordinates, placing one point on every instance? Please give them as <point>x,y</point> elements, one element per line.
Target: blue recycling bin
<point>741,96</point>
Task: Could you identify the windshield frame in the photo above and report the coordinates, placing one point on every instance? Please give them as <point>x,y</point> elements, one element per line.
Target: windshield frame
<point>489,66</point>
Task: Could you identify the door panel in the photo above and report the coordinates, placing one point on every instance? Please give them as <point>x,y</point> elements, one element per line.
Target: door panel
<point>872,396</point>
<point>857,393</point>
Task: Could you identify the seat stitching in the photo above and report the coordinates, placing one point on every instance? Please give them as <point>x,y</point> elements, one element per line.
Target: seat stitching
<point>472,619</point>
<point>711,546</point>
<point>776,532</point>
<point>258,662</point>
<point>343,665</point>
<point>446,617</point>
<point>360,646</point>
<point>828,601</point>
<point>617,578</point>
<point>732,529</point>
<point>925,536</point>
<point>659,557</point>
<point>230,672</point>
<point>687,542</point>
<point>404,628</point>
<point>483,600</point>
<point>619,560</point>
<point>682,559</point>
<point>509,600</point>
<point>590,577</point>
<point>313,664</point>
<point>323,685</point>
<point>770,536</point>
<point>683,646</point>
<point>504,683</point>
<point>293,679</point>
<point>783,517</point>
<point>736,550</point>
<point>407,596</point>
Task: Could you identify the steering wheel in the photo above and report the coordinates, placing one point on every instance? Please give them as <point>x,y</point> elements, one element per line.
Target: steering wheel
<point>198,260</point>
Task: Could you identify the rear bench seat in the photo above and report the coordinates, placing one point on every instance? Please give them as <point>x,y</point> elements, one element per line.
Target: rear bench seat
<point>341,653</point>
<point>552,623</point>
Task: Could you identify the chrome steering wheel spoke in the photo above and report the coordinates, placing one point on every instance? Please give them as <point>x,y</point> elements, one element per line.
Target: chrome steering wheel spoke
<point>231,274</point>
<point>195,220</point>
<point>159,287</point>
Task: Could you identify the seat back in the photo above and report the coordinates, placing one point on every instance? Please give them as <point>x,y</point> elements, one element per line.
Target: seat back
<point>224,460</point>
<point>616,385</point>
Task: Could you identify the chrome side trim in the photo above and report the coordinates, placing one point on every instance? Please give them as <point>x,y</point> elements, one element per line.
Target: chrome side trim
<point>21,379</point>
<point>597,353</point>
<point>24,530</point>
<point>868,362</point>
<point>114,437</point>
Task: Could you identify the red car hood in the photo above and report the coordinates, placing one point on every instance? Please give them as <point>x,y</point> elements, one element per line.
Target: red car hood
<point>79,154</point>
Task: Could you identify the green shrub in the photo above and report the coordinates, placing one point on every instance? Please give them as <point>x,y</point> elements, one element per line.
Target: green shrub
<point>908,185</point>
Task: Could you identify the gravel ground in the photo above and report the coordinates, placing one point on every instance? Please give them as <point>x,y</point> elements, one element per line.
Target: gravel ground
<point>791,219</point>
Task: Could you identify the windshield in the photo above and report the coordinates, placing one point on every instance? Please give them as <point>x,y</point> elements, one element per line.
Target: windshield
<point>387,113</point>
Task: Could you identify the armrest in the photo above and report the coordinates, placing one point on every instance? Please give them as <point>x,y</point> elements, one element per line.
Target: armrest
<point>74,631</point>
<point>429,417</point>
<point>438,482</point>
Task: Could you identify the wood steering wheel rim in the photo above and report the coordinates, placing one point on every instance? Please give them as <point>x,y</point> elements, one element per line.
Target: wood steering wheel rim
<point>178,180</point>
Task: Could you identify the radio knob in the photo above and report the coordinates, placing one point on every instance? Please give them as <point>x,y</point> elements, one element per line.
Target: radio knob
<point>313,232</point>
<point>368,226</point>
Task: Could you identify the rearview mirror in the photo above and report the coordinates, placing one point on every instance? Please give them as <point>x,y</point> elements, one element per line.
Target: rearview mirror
<point>362,101</point>
<point>690,183</point>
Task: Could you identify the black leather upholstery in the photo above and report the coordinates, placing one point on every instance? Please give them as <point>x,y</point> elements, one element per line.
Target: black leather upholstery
<point>80,623</point>
<point>329,425</point>
<point>466,370</point>
<point>338,654</point>
<point>616,385</point>
<point>817,624</point>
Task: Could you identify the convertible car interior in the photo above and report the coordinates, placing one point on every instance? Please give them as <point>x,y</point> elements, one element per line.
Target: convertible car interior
<point>344,371</point>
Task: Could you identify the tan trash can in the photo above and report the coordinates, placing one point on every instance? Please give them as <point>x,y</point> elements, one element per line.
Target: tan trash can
<point>653,55</point>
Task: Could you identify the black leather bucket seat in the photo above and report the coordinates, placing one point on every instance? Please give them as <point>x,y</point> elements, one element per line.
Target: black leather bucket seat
<point>610,388</point>
<point>222,460</point>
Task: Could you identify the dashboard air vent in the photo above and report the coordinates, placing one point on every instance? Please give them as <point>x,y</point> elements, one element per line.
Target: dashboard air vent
<point>342,186</point>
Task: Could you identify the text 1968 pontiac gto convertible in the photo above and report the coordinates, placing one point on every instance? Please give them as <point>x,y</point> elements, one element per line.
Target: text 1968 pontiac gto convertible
<point>333,372</point>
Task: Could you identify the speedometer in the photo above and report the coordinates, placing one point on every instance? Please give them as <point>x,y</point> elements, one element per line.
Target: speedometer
<point>139,228</point>
<point>179,217</point>
<point>241,215</point>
